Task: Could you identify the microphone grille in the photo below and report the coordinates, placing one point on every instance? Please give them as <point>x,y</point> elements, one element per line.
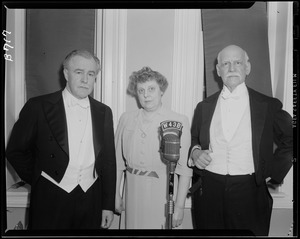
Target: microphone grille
<point>172,137</point>
<point>171,147</point>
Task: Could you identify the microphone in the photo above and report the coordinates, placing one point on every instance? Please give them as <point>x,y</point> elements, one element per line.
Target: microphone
<point>170,146</point>
<point>170,140</point>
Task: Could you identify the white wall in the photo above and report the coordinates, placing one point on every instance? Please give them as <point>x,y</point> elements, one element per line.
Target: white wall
<point>150,39</point>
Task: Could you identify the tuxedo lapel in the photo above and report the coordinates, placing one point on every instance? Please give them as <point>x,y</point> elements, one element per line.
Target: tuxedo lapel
<point>207,114</point>
<point>258,110</point>
<point>97,116</point>
<point>56,117</point>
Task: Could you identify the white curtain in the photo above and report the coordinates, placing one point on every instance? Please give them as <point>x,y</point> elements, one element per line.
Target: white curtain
<point>188,62</point>
<point>111,44</point>
<point>280,33</point>
<point>281,51</point>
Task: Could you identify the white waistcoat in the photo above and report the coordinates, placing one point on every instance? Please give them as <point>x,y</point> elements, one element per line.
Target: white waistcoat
<point>235,156</point>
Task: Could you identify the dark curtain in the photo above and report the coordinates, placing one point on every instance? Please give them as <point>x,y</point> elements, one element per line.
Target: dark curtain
<point>247,28</point>
<point>51,35</point>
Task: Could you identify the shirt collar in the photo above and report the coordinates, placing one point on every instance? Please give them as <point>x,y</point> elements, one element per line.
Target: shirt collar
<point>238,92</point>
<point>73,101</point>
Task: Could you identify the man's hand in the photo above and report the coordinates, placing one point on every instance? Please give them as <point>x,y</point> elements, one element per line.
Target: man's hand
<point>272,184</point>
<point>201,158</point>
<point>107,218</point>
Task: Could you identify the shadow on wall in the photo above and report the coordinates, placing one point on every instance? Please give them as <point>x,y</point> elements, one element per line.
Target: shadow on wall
<point>61,77</point>
<point>216,77</point>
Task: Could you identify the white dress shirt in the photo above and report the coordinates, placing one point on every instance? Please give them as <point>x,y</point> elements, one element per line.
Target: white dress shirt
<point>81,148</point>
<point>233,106</point>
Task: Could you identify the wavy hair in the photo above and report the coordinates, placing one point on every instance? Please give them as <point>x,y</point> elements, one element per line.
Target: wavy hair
<point>144,75</point>
<point>84,53</point>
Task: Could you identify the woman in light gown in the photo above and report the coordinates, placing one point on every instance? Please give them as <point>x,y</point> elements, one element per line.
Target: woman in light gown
<point>138,155</point>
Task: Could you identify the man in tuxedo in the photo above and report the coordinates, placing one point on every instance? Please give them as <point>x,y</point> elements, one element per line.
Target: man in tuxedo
<point>63,146</point>
<point>232,156</point>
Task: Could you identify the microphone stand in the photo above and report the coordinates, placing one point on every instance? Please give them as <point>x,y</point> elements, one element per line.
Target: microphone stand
<point>170,145</point>
<point>171,203</point>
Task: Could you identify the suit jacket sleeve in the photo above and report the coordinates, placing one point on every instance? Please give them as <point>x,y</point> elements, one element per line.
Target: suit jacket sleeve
<point>20,147</point>
<point>108,168</point>
<point>195,129</point>
<point>283,137</point>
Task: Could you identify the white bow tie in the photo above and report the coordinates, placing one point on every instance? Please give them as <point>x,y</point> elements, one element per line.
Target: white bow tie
<point>84,103</point>
<point>228,95</point>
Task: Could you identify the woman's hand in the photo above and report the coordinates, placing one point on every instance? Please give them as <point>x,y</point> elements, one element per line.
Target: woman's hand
<point>177,216</point>
<point>119,204</point>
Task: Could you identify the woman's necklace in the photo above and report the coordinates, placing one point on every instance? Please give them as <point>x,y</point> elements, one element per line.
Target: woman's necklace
<point>147,119</point>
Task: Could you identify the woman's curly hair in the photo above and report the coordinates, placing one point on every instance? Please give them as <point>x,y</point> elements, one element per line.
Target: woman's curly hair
<point>143,75</point>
